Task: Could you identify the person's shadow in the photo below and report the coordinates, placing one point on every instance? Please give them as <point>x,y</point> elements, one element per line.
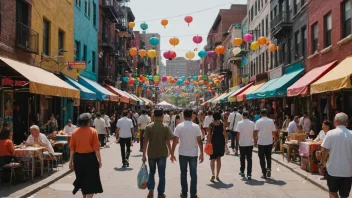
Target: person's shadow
<point>123,169</point>
<point>253,182</point>
<point>275,182</point>
<point>220,185</point>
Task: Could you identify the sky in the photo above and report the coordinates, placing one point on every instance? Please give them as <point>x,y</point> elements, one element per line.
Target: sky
<point>153,11</point>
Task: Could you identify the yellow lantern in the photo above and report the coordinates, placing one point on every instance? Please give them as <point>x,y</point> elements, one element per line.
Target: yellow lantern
<point>133,51</point>
<point>174,41</point>
<point>237,41</point>
<point>156,78</point>
<point>220,50</point>
<point>254,45</point>
<point>151,53</point>
<point>190,55</point>
<point>142,53</point>
<point>131,24</point>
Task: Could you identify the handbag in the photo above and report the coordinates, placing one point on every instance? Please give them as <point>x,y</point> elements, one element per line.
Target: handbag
<point>208,149</point>
<point>142,177</point>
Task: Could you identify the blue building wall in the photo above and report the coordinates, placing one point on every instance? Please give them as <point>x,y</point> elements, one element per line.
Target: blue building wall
<point>86,34</point>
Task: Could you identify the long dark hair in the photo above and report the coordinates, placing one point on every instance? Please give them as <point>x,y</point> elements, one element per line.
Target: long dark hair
<point>329,123</point>
<point>5,134</point>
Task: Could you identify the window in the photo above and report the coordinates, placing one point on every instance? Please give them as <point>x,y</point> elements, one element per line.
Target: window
<point>314,38</point>
<point>296,6</point>
<point>256,8</point>
<point>297,43</point>
<point>84,58</point>
<point>93,61</point>
<point>289,49</point>
<point>46,34</point>
<point>267,26</point>
<point>60,43</point>
<point>346,18</point>
<point>78,3</point>
<point>283,50</point>
<point>77,50</point>
<point>94,14</point>
<point>304,41</point>
<point>252,13</point>
<point>303,2</point>
<point>87,7</point>
<point>263,32</point>
<point>267,60</point>
<point>327,30</point>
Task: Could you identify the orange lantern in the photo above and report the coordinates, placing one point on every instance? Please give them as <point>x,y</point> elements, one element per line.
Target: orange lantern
<point>216,81</point>
<point>237,41</point>
<point>267,43</point>
<point>201,82</point>
<point>186,83</point>
<point>195,83</point>
<point>220,50</point>
<point>164,22</point>
<point>131,24</point>
<point>210,84</point>
<point>272,47</point>
<point>200,77</point>
<point>142,53</point>
<point>174,41</point>
<point>172,81</point>
<point>261,40</point>
<point>133,51</point>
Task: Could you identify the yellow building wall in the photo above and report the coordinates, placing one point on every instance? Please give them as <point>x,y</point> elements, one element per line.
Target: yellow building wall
<point>60,14</point>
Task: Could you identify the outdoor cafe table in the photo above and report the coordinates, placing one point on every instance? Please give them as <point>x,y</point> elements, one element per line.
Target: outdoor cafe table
<point>31,153</point>
<point>291,147</point>
<point>306,149</point>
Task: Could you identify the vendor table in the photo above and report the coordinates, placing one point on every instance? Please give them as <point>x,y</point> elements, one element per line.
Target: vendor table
<point>30,153</point>
<point>306,150</point>
<point>292,149</point>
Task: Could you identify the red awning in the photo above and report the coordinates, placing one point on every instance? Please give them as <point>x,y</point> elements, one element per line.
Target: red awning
<point>301,87</point>
<point>123,97</point>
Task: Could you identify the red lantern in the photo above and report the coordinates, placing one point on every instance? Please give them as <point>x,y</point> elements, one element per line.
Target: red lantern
<point>188,19</point>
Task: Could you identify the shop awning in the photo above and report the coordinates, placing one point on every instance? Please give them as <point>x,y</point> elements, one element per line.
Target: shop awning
<point>206,103</point>
<point>102,93</point>
<point>217,99</point>
<point>233,90</point>
<point>254,94</point>
<point>301,87</point>
<point>232,97</point>
<point>147,101</point>
<point>123,97</point>
<point>86,94</point>
<point>42,82</point>
<point>141,102</point>
<point>133,101</point>
<point>241,97</point>
<point>336,79</point>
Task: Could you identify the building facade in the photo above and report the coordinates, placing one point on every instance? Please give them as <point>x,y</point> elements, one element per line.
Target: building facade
<point>176,67</point>
<point>86,24</point>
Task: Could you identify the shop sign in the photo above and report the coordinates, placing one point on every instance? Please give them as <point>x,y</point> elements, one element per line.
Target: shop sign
<point>80,65</point>
<point>10,82</point>
<point>275,73</point>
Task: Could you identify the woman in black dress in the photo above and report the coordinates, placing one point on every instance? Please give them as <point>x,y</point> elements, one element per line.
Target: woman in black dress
<point>218,137</point>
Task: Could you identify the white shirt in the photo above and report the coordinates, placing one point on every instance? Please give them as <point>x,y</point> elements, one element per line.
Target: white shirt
<point>207,121</point>
<point>188,132</point>
<point>166,119</point>
<point>292,127</point>
<point>246,129</point>
<point>265,126</point>
<point>143,120</point>
<point>321,136</point>
<point>100,124</point>
<point>107,121</point>
<point>234,115</point>
<point>339,142</point>
<point>42,138</point>
<point>305,123</point>
<point>136,115</point>
<point>125,125</point>
<point>69,129</point>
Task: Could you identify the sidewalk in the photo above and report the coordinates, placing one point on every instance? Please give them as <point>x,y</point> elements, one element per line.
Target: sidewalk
<point>313,178</point>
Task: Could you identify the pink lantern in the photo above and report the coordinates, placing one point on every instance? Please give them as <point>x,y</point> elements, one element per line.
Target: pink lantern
<point>169,55</point>
<point>188,19</point>
<point>248,38</point>
<point>197,39</point>
<point>164,78</point>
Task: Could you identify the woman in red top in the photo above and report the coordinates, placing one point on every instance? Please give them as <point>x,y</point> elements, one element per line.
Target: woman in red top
<point>6,146</point>
<point>85,158</point>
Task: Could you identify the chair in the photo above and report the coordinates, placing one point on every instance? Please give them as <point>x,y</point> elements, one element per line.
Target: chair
<point>49,160</point>
<point>12,166</point>
<point>59,160</point>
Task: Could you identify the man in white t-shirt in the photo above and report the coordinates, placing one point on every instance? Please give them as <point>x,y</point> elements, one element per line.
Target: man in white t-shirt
<point>100,126</point>
<point>69,127</point>
<point>190,137</point>
<point>207,121</point>
<point>143,121</point>
<point>245,130</point>
<point>38,139</point>
<point>232,121</point>
<point>107,122</point>
<point>166,118</point>
<point>305,123</point>
<point>338,146</point>
<point>293,125</point>
<point>265,131</point>
<point>125,131</point>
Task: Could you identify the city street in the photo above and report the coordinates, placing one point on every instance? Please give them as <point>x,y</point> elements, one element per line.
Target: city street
<point>118,182</point>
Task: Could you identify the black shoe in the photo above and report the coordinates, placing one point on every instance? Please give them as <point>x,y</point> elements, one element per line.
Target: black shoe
<point>249,177</point>
<point>268,173</point>
<point>242,174</point>
<point>124,166</point>
<point>263,177</point>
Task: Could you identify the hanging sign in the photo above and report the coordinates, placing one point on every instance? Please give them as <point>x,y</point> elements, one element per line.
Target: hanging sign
<point>80,65</point>
<point>10,82</point>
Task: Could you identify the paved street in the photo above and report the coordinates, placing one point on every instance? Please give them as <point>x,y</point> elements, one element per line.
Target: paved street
<point>118,182</point>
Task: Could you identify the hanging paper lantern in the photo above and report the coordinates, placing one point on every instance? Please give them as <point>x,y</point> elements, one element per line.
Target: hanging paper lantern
<point>236,51</point>
<point>200,77</point>
<point>220,50</point>
<point>201,82</point>
<point>125,79</point>
<point>268,43</point>
<point>151,53</point>
<point>197,39</point>
<point>131,24</point>
<point>272,47</point>
<point>142,52</point>
<point>150,77</point>
<point>210,84</point>
<point>210,54</point>
<point>277,47</point>
<point>216,81</point>
<point>131,81</point>
<point>164,22</point>
<point>190,55</point>
<point>248,38</point>
<point>174,41</point>
<point>186,83</point>
<point>172,81</point>
<point>262,40</point>
<point>154,41</point>
<point>169,55</point>
<point>202,53</point>
<point>188,19</point>
<point>237,41</point>
<point>254,45</point>
<point>133,51</point>
<point>195,83</point>
<point>164,79</point>
<point>136,83</point>
<point>156,79</point>
<point>144,26</point>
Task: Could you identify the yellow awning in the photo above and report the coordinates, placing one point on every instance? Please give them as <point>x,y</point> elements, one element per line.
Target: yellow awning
<point>336,79</point>
<point>217,100</point>
<point>43,82</point>
<point>251,89</point>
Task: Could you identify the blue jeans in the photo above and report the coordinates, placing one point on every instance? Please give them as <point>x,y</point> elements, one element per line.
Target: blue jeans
<point>161,162</point>
<point>192,161</point>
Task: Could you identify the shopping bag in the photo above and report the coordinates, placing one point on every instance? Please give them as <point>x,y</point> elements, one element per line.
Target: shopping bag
<point>142,177</point>
<point>208,149</point>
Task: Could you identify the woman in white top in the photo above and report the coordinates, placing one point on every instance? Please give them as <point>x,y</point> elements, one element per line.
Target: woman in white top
<point>207,121</point>
<point>327,126</point>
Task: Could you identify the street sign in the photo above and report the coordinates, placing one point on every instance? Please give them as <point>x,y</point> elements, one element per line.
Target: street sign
<point>80,65</point>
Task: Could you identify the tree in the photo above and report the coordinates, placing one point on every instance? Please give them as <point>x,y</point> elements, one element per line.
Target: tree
<point>179,101</point>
